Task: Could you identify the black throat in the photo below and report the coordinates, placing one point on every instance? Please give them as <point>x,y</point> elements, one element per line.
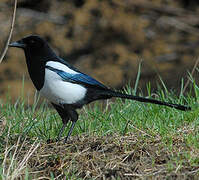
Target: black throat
<point>36,62</point>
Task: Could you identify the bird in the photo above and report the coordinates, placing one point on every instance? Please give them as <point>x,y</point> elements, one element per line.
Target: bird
<point>64,86</point>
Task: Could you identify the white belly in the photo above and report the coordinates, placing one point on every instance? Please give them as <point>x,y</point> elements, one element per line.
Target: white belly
<point>60,92</point>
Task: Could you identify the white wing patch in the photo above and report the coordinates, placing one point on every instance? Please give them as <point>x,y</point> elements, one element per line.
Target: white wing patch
<point>58,91</point>
<point>60,66</point>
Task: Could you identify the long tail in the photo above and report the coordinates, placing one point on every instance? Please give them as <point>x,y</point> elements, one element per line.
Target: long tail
<point>148,100</point>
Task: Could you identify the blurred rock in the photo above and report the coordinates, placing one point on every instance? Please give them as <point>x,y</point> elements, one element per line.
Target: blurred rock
<point>106,39</point>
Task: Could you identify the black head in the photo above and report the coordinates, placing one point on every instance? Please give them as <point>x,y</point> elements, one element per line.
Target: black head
<point>37,52</point>
<point>33,42</point>
<point>34,46</point>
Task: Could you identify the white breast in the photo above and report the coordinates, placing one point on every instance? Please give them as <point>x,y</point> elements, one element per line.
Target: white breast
<point>60,92</point>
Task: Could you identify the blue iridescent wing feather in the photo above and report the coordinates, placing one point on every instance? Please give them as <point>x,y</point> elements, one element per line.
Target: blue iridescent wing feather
<point>79,78</point>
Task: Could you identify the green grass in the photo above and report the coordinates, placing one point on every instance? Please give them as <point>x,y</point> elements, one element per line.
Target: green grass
<point>108,118</point>
<point>100,118</point>
<point>118,116</point>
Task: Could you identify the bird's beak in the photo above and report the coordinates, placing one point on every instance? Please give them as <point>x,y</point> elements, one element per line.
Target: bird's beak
<point>17,44</point>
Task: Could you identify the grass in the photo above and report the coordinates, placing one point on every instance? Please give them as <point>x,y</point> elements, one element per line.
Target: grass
<point>119,139</point>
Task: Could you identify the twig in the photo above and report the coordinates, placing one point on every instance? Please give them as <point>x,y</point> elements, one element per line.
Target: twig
<point>167,57</point>
<point>178,24</point>
<point>158,8</point>
<point>41,16</point>
<point>11,31</point>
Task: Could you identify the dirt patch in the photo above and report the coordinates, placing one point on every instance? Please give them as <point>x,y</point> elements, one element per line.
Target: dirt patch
<point>111,157</point>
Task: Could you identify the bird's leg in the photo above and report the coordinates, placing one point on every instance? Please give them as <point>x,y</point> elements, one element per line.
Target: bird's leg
<point>74,117</point>
<point>61,131</point>
<point>70,131</point>
<point>65,121</point>
<point>65,117</point>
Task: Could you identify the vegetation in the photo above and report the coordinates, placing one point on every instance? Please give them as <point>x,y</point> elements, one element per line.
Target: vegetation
<point>115,139</point>
<point>119,139</point>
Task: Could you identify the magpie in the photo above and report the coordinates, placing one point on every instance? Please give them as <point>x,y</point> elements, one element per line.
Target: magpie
<point>64,86</point>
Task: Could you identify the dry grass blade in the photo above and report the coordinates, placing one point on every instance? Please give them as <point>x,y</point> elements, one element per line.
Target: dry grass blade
<point>7,150</point>
<point>14,156</point>
<point>10,33</point>
<point>22,165</point>
<point>192,72</point>
<point>12,166</point>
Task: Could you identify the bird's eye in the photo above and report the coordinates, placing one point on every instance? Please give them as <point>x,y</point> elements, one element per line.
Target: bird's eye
<point>32,41</point>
